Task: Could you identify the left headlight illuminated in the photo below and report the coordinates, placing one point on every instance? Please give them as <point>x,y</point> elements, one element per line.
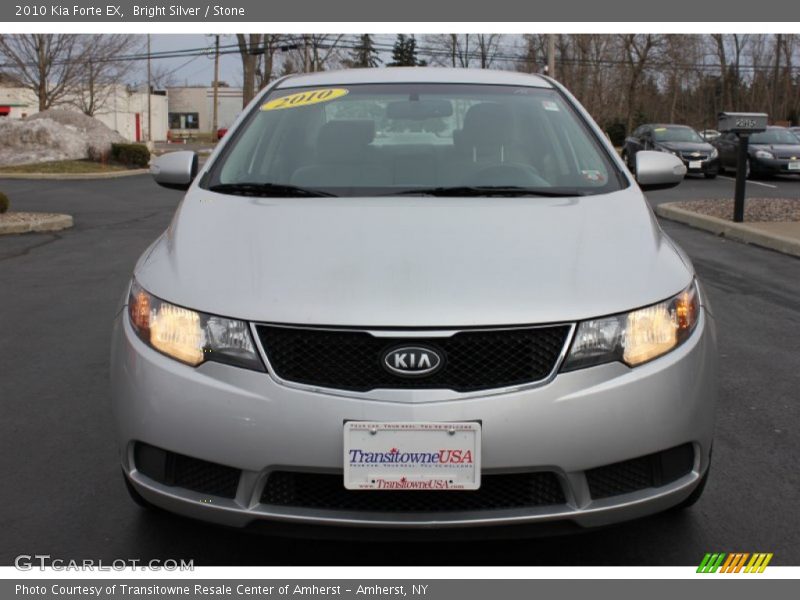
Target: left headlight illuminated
<point>636,337</point>
<point>189,336</point>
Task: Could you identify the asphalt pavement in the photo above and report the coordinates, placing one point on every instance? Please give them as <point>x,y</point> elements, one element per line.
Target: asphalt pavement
<point>62,492</point>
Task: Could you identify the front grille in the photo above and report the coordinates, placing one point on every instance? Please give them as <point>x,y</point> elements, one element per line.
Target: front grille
<point>649,471</point>
<point>327,492</point>
<point>186,472</point>
<point>473,359</point>
<point>689,156</point>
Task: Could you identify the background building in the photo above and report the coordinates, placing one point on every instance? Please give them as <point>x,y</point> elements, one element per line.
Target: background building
<point>191,109</point>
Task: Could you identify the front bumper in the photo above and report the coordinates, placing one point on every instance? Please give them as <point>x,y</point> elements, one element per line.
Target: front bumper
<point>773,166</point>
<point>581,420</point>
<point>709,166</point>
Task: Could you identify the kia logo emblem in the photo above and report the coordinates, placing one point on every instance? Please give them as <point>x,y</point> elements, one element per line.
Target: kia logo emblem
<point>412,361</point>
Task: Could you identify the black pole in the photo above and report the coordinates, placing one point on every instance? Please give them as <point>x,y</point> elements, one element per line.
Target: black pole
<point>741,178</point>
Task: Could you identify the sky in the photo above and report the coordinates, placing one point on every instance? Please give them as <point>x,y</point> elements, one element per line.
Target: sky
<point>194,70</point>
<point>199,70</point>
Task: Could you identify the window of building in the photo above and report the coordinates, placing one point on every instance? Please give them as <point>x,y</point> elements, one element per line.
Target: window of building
<point>184,120</point>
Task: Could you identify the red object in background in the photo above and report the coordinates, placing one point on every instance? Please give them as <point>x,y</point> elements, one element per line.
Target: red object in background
<point>221,132</point>
<point>5,111</point>
<point>138,127</point>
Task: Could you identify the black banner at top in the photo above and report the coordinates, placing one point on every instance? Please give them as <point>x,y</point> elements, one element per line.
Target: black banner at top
<point>444,11</point>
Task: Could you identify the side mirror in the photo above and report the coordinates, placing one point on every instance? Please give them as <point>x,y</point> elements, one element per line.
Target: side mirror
<point>658,170</point>
<point>175,170</point>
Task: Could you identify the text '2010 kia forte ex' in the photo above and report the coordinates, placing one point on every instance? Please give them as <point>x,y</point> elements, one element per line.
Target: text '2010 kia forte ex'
<point>414,298</point>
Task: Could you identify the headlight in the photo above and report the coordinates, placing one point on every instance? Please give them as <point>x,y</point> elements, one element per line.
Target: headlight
<point>764,154</point>
<point>190,336</point>
<point>714,153</point>
<point>635,337</point>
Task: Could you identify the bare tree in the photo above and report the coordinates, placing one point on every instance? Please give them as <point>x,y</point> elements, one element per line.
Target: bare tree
<point>104,67</point>
<point>450,49</point>
<point>265,65</point>
<point>162,77</point>
<point>48,64</point>
<point>249,48</point>
<point>488,46</point>
<point>638,50</point>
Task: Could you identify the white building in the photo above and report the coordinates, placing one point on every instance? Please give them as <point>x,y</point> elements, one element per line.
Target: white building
<point>122,109</point>
<point>191,109</point>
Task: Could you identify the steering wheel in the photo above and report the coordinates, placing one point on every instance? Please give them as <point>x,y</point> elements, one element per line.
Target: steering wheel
<point>508,174</point>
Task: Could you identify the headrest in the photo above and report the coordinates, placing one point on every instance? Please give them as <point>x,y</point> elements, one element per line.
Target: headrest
<point>485,124</point>
<point>342,139</point>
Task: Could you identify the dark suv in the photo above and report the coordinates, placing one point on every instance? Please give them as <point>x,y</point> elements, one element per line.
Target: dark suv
<point>681,140</point>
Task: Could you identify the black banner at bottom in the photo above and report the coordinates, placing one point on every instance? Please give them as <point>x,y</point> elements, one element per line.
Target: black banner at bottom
<point>427,589</point>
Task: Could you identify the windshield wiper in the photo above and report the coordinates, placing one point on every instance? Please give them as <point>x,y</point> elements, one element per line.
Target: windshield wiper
<point>489,190</point>
<point>267,190</point>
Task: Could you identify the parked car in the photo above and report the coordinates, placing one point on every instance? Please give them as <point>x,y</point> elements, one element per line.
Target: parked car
<point>684,142</point>
<point>710,134</point>
<point>480,324</point>
<point>771,152</point>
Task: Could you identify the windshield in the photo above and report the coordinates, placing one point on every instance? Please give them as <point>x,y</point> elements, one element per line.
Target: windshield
<point>386,139</point>
<point>676,134</point>
<point>774,136</point>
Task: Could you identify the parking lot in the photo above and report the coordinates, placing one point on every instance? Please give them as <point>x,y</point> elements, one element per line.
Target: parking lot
<point>63,494</point>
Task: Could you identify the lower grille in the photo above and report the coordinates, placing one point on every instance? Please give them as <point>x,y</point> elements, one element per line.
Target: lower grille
<point>472,360</point>
<point>177,470</point>
<point>649,471</point>
<point>327,492</point>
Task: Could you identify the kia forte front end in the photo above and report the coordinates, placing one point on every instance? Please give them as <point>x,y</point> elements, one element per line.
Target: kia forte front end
<point>415,299</point>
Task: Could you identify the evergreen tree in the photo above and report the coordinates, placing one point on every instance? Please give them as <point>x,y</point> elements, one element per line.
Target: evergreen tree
<point>404,52</point>
<point>364,55</point>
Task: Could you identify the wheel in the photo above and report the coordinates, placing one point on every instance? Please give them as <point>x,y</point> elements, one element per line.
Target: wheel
<point>136,496</point>
<point>710,175</point>
<point>692,498</point>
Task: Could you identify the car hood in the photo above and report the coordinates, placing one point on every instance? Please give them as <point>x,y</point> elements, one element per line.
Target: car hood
<point>782,149</point>
<point>687,146</point>
<point>413,261</point>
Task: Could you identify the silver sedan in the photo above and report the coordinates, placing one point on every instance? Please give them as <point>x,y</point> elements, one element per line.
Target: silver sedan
<point>414,298</point>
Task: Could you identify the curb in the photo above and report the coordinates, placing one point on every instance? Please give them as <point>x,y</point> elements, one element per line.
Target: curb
<point>51,223</point>
<point>65,176</point>
<point>741,232</point>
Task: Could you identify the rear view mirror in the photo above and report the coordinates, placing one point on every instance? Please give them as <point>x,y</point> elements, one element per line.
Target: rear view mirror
<point>658,170</point>
<point>175,170</point>
<point>419,110</point>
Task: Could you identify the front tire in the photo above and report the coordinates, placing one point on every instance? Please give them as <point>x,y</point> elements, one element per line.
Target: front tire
<point>710,175</point>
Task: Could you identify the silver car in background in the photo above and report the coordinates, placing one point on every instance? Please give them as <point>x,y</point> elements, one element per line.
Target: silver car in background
<point>414,298</point>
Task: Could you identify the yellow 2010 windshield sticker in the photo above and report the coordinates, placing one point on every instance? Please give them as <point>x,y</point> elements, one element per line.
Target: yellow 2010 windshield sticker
<point>305,98</point>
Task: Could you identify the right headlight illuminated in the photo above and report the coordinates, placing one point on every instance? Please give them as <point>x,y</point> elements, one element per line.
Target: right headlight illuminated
<point>190,336</point>
<point>636,337</point>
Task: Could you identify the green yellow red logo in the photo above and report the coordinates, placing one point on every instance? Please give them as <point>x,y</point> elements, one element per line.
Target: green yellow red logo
<point>734,562</point>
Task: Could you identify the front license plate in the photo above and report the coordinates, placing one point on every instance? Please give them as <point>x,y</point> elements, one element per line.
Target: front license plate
<point>695,164</point>
<point>794,166</point>
<point>412,456</point>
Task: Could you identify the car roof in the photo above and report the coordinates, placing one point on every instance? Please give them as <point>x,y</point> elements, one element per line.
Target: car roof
<point>414,75</point>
